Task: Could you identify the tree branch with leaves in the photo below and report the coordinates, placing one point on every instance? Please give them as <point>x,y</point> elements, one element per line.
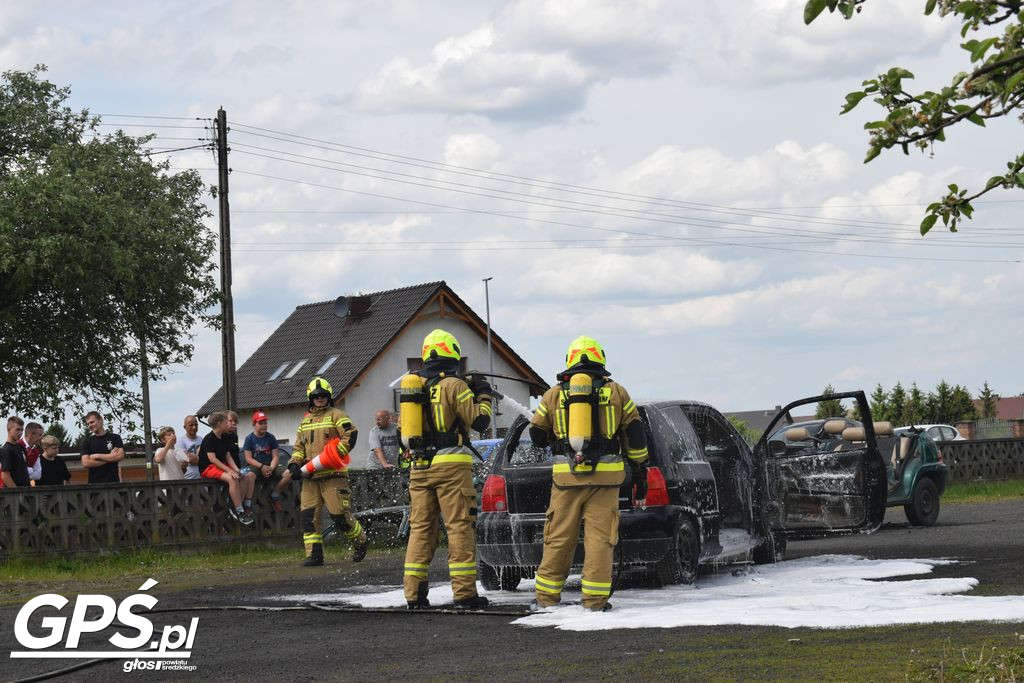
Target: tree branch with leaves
<point>993,87</point>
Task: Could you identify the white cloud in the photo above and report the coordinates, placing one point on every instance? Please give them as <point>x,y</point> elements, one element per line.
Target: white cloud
<point>473,150</point>
<point>766,41</point>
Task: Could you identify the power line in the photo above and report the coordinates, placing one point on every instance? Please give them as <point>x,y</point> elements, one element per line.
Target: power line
<point>715,224</point>
<point>542,184</point>
<point>812,220</point>
<point>150,116</point>
<point>698,241</point>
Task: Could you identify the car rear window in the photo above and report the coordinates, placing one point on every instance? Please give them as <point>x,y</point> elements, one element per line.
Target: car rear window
<point>673,432</point>
<point>519,450</point>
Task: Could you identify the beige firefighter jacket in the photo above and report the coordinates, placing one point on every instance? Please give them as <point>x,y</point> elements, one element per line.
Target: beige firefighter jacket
<point>317,427</point>
<point>615,411</point>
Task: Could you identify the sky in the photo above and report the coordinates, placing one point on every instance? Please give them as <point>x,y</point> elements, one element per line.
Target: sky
<point>824,591</point>
<point>672,178</point>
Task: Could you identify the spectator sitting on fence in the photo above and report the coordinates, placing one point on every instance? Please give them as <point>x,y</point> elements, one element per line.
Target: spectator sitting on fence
<point>101,452</point>
<point>171,460</point>
<point>13,470</point>
<point>214,459</point>
<point>247,478</point>
<point>53,470</point>
<point>262,455</point>
<point>190,444</point>
<point>30,442</point>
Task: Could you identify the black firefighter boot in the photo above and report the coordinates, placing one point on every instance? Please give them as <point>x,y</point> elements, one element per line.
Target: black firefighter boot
<point>475,602</point>
<point>360,550</point>
<point>421,601</point>
<point>316,558</point>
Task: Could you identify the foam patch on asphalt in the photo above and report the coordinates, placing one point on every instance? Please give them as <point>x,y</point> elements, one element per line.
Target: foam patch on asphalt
<point>828,591</point>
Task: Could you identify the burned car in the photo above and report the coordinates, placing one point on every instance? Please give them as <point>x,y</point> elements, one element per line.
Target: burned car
<point>711,498</point>
<point>916,474</point>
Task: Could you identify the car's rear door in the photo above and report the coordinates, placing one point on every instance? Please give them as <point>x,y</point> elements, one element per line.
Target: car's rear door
<point>833,486</point>
<point>527,471</point>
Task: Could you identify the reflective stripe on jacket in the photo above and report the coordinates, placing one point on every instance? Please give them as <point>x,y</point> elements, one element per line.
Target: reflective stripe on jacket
<point>615,410</point>
<point>316,429</point>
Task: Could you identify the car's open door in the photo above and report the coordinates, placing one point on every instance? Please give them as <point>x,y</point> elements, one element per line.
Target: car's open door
<point>823,483</point>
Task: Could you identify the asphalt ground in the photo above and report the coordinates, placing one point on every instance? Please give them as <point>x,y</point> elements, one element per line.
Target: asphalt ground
<point>987,538</point>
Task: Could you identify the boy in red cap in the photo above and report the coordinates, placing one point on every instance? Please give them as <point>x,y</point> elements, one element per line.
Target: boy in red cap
<point>262,455</point>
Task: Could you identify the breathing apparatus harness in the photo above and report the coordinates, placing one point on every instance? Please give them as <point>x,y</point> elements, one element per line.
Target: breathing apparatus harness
<point>583,443</point>
<point>416,396</point>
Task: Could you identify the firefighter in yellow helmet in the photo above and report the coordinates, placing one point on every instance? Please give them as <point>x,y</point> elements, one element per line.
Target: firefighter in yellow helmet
<point>441,478</point>
<point>325,428</point>
<point>589,446</point>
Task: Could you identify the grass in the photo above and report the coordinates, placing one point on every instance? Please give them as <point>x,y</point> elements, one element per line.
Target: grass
<point>101,567</point>
<point>985,663</point>
<point>984,491</point>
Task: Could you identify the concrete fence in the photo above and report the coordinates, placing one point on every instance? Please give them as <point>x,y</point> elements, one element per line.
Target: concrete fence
<point>134,515</point>
<point>988,459</point>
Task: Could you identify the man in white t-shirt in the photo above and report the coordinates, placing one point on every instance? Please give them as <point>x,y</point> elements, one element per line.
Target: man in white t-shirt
<point>190,444</point>
<point>384,443</point>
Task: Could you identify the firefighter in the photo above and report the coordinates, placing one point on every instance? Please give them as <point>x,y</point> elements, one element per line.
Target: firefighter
<point>590,423</point>
<point>435,427</point>
<point>324,425</point>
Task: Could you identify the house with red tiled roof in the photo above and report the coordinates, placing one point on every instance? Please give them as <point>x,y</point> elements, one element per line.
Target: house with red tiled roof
<point>1007,408</point>
<point>362,353</point>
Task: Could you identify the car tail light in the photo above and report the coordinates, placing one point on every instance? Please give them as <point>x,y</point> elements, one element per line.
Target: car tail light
<point>495,499</point>
<point>939,452</point>
<point>657,491</point>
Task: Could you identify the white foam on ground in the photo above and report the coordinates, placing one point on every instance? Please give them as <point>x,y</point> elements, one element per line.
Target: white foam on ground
<point>828,591</point>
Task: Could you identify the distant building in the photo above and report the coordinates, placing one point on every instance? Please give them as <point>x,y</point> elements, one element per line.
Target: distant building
<point>362,354</point>
<point>1007,408</point>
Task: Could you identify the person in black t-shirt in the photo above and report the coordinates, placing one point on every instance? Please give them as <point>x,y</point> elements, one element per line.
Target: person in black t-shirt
<point>54,470</point>
<point>13,469</point>
<point>101,452</point>
<point>215,462</point>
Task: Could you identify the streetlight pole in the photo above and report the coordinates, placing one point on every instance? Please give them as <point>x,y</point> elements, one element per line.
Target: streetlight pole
<point>490,356</point>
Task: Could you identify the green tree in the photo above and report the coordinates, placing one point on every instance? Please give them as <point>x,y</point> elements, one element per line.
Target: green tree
<point>831,407</point>
<point>992,86</point>
<point>879,404</point>
<point>101,247</point>
<point>961,405</point>
<point>940,402</point>
<point>749,435</point>
<point>897,403</point>
<point>989,401</point>
<point>916,407</point>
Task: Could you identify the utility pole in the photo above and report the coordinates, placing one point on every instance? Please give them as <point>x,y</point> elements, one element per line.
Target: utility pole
<point>147,421</point>
<point>490,356</point>
<point>227,311</point>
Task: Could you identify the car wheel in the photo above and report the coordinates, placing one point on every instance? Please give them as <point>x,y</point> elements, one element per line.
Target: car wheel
<point>923,509</point>
<point>772,550</point>
<point>680,564</point>
<point>488,576</point>
<point>508,578</point>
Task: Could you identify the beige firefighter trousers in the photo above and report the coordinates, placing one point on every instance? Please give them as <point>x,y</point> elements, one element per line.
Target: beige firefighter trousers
<point>598,508</point>
<point>442,490</point>
<point>334,493</point>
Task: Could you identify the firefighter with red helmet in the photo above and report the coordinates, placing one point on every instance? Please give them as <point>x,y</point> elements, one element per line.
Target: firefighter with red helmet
<point>437,411</point>
<point>327,432</point>
<point>590,422</point>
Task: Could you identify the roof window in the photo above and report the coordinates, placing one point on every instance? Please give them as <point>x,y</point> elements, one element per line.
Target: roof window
<point>295,368</point>
<point>277,373</point>
<point>327,363</point>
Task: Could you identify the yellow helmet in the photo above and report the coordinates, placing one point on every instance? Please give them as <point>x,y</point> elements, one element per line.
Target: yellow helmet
<point>441,344</point>
<point>318,386</point>
<point>584,349</point>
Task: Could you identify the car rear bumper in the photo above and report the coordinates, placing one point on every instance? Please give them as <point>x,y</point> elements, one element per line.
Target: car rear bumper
<point>517,540</point>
